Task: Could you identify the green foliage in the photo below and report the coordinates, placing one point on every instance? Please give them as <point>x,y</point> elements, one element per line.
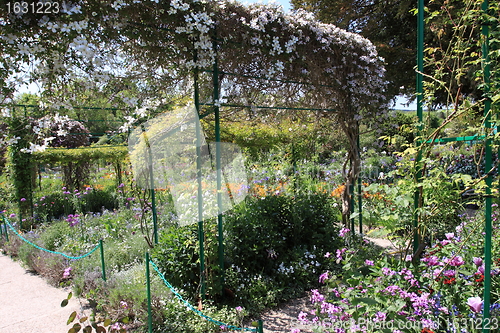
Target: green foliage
<point>177,255</point>
<point>378,290</point>
<point>20,164</point>
<point>57,204</point>
<point>276,246</point>
<point>76,162</point>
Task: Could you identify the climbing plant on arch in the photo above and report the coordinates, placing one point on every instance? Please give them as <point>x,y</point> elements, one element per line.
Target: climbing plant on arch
<point>291,59</point>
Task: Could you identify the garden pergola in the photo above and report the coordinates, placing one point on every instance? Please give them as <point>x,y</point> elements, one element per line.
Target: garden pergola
<point>229,55</point>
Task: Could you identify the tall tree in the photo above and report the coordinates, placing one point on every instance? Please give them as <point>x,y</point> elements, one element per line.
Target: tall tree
<point>388,24</point>
<point>391,25</point>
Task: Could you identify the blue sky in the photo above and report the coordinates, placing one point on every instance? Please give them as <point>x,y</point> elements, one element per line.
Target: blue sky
<point>285,3</point>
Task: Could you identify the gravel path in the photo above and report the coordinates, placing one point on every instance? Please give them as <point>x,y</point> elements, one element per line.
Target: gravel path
<point>28,304</point>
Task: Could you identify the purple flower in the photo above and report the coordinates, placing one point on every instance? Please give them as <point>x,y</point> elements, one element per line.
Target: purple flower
<point>303,317</point>
<point>475,303</point>
<point>115,326</point>
<point>23,199</point>
<point>12,215</point>
<point>123,305</point>
<point>323,277</point>
<point>67,273</point>
<point>380,316</point>
<point>449,273</point>
<point>455,261</point>
<point>388,271</point>
<point>450,235</point>
<point>369,262</point>
<point>432,261</point>
<point>343,232</point>
<point>477,261</point>
<point>294,330</point>
<point>239,308</point>
<point>327,255</point>
<point>316,296</point>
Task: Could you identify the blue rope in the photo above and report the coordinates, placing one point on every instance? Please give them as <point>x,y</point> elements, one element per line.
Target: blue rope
<point>192,308</point>
<point>41,248</point>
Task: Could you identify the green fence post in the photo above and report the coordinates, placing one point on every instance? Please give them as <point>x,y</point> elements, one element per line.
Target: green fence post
<point>420,99</point>
<point>218,165</point>
<point>148,293</point>
<point>487,166</point>
<point>201,233</point>
<point>6,230</point>
<point>102,260</point>
<point>260,327</point>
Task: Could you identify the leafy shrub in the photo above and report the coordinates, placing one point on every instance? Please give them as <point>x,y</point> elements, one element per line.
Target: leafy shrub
<point>177,254</point>
<point>96,200</point>
<point>277,244</point>
<point>54,235</point>
<point>53,206</point>
<point>57,204</point>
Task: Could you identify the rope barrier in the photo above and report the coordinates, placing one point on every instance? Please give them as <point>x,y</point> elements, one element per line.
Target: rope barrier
<point>192,308</point>
<point>43,249</point>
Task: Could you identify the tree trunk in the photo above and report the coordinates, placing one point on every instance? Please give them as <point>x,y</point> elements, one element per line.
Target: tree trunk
<point>350,168</point>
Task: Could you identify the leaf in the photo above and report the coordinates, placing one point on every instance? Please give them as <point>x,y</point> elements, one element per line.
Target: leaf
<point>64,303</point>
<point>366,300</point>
<point>107,322</point>
<point>71,330</point>
<point>100,329</point>
<point>72,317</point>
<point>77,327</point>
<point>125,320</point>
<point>84,319</point>
<point>255,324</point>
<point>87,329</point>
<point>70,295</point>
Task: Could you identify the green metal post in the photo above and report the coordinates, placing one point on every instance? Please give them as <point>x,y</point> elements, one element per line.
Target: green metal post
<point>102,260</point>
<point>260,327</point>
<point>218,166</point>
<point>420,98</point>
<point>152,186</point>
<point>148,294</point>
<point>153,197</point>
<point>6,230</point>
<point>487,166</point>
<point>201,235</point>
<point>351,193</point>
<point>360,197</point>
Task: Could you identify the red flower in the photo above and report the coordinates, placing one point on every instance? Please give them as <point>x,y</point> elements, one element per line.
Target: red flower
<point>449,281</point>
<point>427,330</point>
<point>480,278</point>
